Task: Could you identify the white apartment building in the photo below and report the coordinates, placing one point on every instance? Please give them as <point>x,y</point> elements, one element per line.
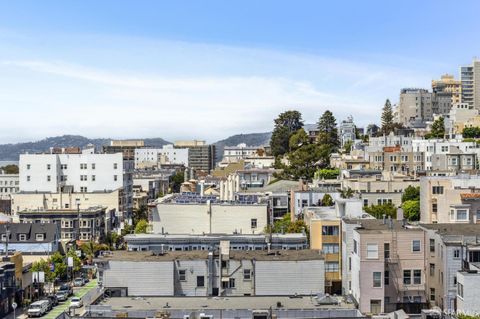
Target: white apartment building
<point>232,154</point>
<point>84,172</point>
<point>8,185</point>
<point>470,78</point>
<point>376,144</point>
<point>149,157</point>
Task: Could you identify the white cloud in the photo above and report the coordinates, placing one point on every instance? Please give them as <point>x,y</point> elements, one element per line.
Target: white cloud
<point>52,96</point>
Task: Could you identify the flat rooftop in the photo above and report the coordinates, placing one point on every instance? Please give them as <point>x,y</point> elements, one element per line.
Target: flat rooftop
<point>377,225</point>
<point>454,229</point>
<point>281,255</point>
<point>180,303</point>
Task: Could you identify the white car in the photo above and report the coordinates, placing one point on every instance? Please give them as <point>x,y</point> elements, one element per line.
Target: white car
<point>76,302</point>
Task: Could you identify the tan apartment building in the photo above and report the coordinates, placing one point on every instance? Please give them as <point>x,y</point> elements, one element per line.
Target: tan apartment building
<point>452,199</point>
<point>448,85</point>
<point>387,262</point>
<point>396,160</point>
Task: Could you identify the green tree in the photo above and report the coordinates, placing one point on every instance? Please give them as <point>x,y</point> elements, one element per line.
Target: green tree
<point>77,262</point>
<point>176,181</point>
<point>60,265</point>
<point>112,240</point>
<point>438,129</point>
<point>286,124</point>
<point>377,211</point>
<point>141,227</point>
<point>327,200</point>
<point>387,118</point>
<point>411,193</point>
<point>347,147</point>
<point>286,225</point>
<point>471,132</point>
<point>327,173</point>
<point>10,169</point>
<point>411,210</point>
<point>89,249</point>
<point>297,140</point>
<point>347,193</point>
<point>303,162</point>
<point>140,213</point>
<point>43,265</point>
<point>327,125</point>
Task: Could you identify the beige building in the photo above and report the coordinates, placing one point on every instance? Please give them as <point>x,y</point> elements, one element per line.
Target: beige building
<point>28,201</point>
<point>396,160</point>
<point>453,199</point>
<point>416,106</point>
<point>448,84</point>
<point>388,266</point>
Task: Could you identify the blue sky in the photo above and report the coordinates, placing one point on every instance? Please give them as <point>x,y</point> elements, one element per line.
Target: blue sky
<point>209,69</point>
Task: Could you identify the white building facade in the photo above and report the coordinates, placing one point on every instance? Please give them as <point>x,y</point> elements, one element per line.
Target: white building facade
<point>147,157</point>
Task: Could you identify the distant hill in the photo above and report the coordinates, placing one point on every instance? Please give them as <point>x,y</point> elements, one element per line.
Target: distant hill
<point>252,139</point>
<point>11,152</point>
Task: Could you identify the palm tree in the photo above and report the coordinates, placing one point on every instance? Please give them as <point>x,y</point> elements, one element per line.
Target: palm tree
<point>347,193</point>
<point>89,248</point>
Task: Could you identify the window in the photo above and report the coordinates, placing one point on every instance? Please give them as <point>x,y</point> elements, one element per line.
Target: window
<point>432,269</point>
<point>331,266</point>
<point>432,294</point>
<point>330,248</point>
<point>83,166</point>
<point>63,178</point>
<point>182,275</point>
<point>253,223</point>
<point>49,178</point>
<point>330,230</point>
<point>355,246</point>
<point>462,214</point>
<point>350,263</point>
<point>407,277</point>
<point>22,237</point>
<point>115,165</point>
<point>375,306</point>
<point>93,165</point>
<point>67,223</point>
<point>417,277</point>
<point>416,245</point>
<point>365,202</point>
<point>200,281</point>
<point>456,253</point>
<point>28,166</point>
<point>434,208</point>
<point>386,278</point>
<point>231,282</point>
<point>83,189</point>
<point>372,251</point>
<point>460,290</point>
<point>28,178</point>
<point>432,245</point>
<point>39,237</point>
<point>63,166</point>
<point>386,250</point>
<point>49,166</point>
<point>437,190</point>
<point>115,178</point>
<point>377,279</point>
<point>247,274</point>
<point>93,178</point>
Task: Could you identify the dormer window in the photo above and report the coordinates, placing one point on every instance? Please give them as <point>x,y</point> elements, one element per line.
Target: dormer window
<point>22,237</point>
<point>39,237</point>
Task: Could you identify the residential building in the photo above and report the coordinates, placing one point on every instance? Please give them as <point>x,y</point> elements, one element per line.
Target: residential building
<point>187,214</point>
<point>126,147</point>
<point>356,160</point>
<point>450,248</point>
<point>388,266</point>
<point>85,172</point>
<point>449,86</point>
<point>82,224</point>
<point>312,197</point>
<point>396,160</point>
<point>8,286</point>
<point>415,106</point>
<point>324,228</point>
<point>29,238</point>
<point>201,156</point>
<point>461,115</point>
<point>213,273</point>
<point>9,184</point>
<point>312,132</point>
<point>243,180</point>
<point>450,199</point>
<point>208,242</point>
<point>240,152</point>
<point>468,289</point>
<point>168,154</point>
<point>347,131</point>
<point>470,78</point>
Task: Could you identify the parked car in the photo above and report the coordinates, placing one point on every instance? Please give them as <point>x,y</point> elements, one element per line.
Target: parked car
<point>76,302</point>
<point>62,295</point>
<point>67,288</point>
<point>49,302</point>
<point>38,308</point>
<point>53,299</point>
<point>78,282</point>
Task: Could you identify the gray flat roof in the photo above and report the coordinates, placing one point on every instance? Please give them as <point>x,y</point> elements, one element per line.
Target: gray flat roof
<point>454,229</point>
<point>180,303</point>
<point>377,225</point>
<point>282,255</point>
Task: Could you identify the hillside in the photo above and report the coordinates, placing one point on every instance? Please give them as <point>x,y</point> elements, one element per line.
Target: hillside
<point>252,139</point>
<point>11,152</point>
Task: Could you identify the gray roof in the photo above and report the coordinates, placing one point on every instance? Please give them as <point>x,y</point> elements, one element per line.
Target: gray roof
<point>283,255</point>
<point>454,229</point>
<point>377,225</point>
<point>281,186</point>
<point>49,231</point>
